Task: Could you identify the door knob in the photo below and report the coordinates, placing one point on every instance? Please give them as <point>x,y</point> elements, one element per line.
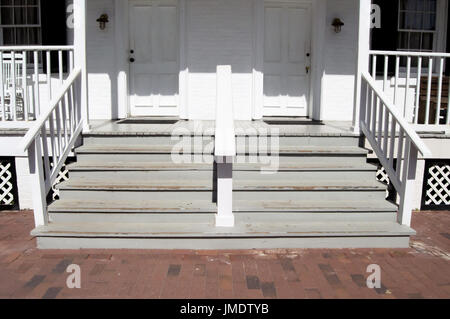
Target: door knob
<point>132,60</point>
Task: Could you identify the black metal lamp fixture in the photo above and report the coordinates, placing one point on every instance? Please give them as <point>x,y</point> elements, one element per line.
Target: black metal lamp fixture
<point>103,20</point>
<point>337,24</point>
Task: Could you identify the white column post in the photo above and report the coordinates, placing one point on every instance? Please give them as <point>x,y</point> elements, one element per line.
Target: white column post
<point>225,147</point>
<point>408,185</point>
<point>363,56</point>
<point>79,7</point>
<point>225,217</point>
<point>37,183</point>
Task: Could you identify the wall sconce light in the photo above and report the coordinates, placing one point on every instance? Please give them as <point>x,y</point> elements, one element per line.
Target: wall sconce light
<point>337,24</point>
<point>103,20</point>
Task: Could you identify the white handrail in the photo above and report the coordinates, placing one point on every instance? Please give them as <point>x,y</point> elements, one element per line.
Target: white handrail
<point>410,53</point>
<point>50,141</point>
<point>397,151</point>
<point>407,128</point>
<point>37,126</point>
<point>37,48</point>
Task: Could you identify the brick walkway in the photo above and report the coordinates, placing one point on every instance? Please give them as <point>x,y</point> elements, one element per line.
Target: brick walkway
<point>423,271</point>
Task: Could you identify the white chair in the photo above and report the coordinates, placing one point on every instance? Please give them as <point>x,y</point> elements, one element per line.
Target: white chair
<point>8,85</point>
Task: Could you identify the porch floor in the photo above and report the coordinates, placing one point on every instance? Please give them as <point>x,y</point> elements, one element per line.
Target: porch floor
<point>166,126</point>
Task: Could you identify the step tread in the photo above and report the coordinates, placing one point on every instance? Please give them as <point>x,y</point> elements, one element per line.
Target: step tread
<point>170,230</point>
<point>157,149</point>
<point>93,183</point>
<point>164,166</point>
<point>200,206</point>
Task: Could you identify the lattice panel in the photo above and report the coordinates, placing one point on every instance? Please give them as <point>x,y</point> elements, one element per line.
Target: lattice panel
<point>438,185</point>
<point>7,184</point>
<point>382,175</point>
<point>63,176</point>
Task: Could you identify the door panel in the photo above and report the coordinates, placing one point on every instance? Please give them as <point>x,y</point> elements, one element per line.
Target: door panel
<point>154,73</point>
<point>286,45</point>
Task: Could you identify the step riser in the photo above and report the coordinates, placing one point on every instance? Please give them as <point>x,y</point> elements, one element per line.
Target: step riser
<point>222,243</point>
<point>237,175</point>
<point>208,195</point>
<point>209,218</point>
<point>270,161</point>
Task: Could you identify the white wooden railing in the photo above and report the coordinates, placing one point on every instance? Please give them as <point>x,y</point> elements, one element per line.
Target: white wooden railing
<point>24,83</point>
<point>391,137</point>
<point>225,146</point>
<point>416,84</point>
<point>53,134</point>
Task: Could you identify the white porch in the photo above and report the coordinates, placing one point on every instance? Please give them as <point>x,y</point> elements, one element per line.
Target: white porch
<point>231,76</point>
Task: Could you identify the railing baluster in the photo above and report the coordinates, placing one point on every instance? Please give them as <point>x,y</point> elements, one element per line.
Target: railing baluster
<point>52,139</point>
<point>60,67</point>
<point>386,133</point>
<point>13,91</point>
<point>418,93</point>
<point>430,77</point>
<point>58,128</point>
<point>399,153</point>
<point>369,107</point>
<point>24,87</point>
<point>374,66</point>
<point>49,75</point>
<point>439,94</point>
<point>385,73</point>
<point>37,96</point>
<point>397,71</point>
<point>374,115</point>
<point>408,75</point>
<point>46,156</point>
<point>64,119</point>
<point>71,61</point>
<point>392,143</point>
<point>2,88</point>
<point>380,121</point>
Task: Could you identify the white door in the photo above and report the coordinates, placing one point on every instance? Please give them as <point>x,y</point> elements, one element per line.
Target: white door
<point>286,59</point>
<point>154,56</point>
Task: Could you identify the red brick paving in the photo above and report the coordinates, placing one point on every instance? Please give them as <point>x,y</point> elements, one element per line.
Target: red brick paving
<point>422,271</point>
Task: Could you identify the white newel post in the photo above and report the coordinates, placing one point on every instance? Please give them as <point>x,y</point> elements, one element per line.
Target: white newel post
<point>365,8</point>
<point>37,183</point>
<point>80,56</point>
<point>408,185</point>
<point>225,147</point>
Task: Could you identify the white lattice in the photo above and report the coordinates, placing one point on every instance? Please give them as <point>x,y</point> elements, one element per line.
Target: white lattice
<point>63,176</point>
<point>438,185</point>
<point>6,185</point>
<point>382,175</point>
